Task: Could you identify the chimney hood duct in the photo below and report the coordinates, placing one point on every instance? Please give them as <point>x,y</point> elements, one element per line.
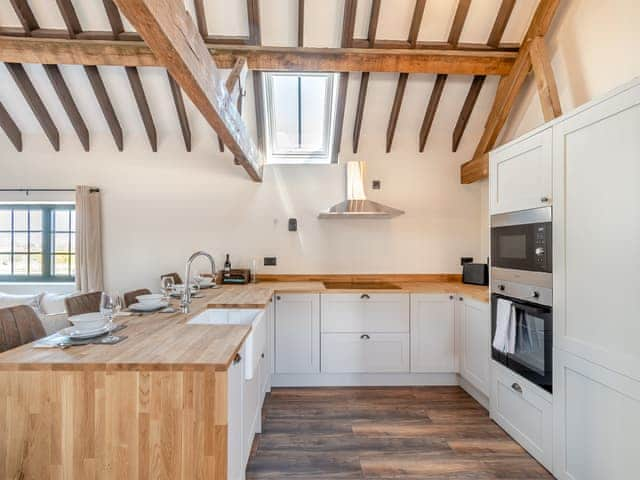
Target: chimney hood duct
<point>356,205</point>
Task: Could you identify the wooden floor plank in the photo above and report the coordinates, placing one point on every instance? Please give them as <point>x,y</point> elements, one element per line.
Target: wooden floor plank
<point>372,432</point>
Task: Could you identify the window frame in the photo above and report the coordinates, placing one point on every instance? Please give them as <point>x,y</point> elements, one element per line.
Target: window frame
<point>299,157</point>
<point>47,232</point>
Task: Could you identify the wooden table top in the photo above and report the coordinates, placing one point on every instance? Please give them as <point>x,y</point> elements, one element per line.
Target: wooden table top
<point>163,341</point>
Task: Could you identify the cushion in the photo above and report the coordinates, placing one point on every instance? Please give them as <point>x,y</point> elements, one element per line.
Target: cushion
<point>54,322</point>
<point>53,303</point>
<point>10,300</point>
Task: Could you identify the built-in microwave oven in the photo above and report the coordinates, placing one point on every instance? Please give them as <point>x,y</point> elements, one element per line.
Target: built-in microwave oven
<point>522,240</point>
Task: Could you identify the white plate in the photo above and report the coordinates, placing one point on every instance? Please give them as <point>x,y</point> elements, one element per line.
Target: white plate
<point>74,333</point>
<point>88,321</point>
<point>150,297</point>
<point>148,306</point>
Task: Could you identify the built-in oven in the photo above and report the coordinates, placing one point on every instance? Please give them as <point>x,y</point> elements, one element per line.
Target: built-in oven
<point>522,240</point>
<point>526,299</point>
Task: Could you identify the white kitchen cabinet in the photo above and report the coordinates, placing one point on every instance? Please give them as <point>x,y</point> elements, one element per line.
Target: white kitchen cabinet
<point>235,408</point>
<point>525,411</point>
<point>267,367</point>
<point>297,333</point>
<point>474,321</point>
<point>365,352</point>
<point>433,333</point>
<point>596,421</point>
<point>365,313</point>
<point>520,174</point>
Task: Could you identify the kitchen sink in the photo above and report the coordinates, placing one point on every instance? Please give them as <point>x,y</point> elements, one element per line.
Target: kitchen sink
<point>255,342</point>
<point>361,286</point>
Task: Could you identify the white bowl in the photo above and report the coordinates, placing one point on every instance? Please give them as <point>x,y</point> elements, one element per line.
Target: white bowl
<point>150,297</point>
<point>88,321</point>
<point>148,306</point>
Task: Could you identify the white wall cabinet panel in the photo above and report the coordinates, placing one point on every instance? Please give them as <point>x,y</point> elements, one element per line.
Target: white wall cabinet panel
<point>297,333</point>
<point>433,333</point>
<point>475,341</point>
<point>524,411</point>
<point>365,312</point>
<point>365,353</point>
<point>520,174</point>
<point>596,421</point>
<point>235,452</point>
<point>596,228</point>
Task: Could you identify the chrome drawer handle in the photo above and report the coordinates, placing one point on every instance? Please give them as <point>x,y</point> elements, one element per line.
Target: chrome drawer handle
<point>516,387</point>
<point>544,199</point>
<point>364,337</point>
<point>364,296</point>
<point>237,359</point>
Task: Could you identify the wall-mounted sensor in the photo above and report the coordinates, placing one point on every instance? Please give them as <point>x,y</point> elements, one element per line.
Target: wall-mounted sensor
<point>293,225</point>
<point>376,184</point>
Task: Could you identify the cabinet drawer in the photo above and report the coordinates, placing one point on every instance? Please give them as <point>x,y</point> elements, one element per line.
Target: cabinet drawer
<point>365,352</point>
<point>365,312</point>
<point>525,411</point>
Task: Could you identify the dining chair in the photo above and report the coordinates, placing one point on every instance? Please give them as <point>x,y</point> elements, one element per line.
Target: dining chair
<point>83,303</point>
<point>130,297</point>
<point>19,325</point>
<point>177,279</point>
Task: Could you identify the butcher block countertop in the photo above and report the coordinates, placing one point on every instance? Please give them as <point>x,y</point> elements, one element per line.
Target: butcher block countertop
<point>163,341</point>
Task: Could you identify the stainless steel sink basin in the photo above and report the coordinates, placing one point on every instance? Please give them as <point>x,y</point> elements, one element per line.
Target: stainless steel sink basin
<point>361,286</point>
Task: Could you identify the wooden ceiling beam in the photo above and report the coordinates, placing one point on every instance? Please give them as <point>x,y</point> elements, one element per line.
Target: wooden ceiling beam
<point>125,53</point>
<point>36,104</point>
<point>172,35</point>
<point>10,128</point>
<point>459,19</point>
<point>414,30</point>
<point>29,24</point>
<point>74,29</point>
<point>545,79</point>
<point>478,167</point>
<point>133,75</point>
<point>364,79</point>
<point>181,111</point>
<point>499,26</point>
<point>348,27</point>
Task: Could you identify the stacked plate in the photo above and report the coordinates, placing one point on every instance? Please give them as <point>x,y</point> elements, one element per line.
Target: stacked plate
<point>87,325</point>
<point>149,303</point>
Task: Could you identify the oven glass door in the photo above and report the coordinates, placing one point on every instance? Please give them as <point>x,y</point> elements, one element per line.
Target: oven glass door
<point>532,355</point>
<point>518,247</point>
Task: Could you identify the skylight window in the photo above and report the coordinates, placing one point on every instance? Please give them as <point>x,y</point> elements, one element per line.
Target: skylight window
<point>299,111</point>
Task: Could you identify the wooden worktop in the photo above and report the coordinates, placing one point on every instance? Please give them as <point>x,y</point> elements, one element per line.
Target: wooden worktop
<point>163,341</point>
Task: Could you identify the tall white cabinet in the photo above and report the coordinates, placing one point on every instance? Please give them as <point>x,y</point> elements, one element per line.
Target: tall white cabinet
<point>596,228</point>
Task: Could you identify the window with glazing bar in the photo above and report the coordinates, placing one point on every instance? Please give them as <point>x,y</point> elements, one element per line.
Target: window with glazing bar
<point>299,117</point>
<point>37,242</point>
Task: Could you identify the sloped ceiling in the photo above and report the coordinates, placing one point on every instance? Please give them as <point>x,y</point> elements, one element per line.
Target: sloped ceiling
<point>322,28</point>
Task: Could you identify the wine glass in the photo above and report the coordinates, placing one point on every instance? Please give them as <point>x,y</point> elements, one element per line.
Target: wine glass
<point>166,285</point>
<point>107,305</point>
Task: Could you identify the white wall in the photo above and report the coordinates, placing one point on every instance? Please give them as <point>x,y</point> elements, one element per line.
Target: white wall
<point>591,45</point>
<point>160,207</point>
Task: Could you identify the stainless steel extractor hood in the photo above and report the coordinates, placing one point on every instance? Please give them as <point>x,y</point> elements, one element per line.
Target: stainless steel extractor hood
<point>356,205</point>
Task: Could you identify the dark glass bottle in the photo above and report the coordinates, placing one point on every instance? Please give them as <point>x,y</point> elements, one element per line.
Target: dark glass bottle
<point>227,267</point>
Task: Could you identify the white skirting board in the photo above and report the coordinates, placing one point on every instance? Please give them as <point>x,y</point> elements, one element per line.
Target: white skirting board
<point>364,379</point>
<point>480,397</point>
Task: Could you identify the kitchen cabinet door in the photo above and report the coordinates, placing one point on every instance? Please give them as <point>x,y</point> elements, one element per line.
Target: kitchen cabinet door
<point>365,352</point>
<point>365,312</point>
<point>475,343</point>
<point>267,362</point>
<point>433,334</point>
<point>520,174</point>
<point>235,456</point>
<point>297,333</point>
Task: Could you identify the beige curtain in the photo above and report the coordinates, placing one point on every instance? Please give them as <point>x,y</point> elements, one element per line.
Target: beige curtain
<point>88,240</point>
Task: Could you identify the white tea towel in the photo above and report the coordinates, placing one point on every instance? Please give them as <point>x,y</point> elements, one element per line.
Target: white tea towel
<point>504,339</point>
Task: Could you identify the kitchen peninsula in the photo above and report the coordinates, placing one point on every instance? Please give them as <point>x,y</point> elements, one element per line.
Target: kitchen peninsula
<point>160,404</point>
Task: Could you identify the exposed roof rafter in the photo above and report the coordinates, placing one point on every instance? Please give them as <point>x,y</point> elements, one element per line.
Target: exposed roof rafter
<point>10,128</point>
<point>172,35</point>
<point>508,90</point>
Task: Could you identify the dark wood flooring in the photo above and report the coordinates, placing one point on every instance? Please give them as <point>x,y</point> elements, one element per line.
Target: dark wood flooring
<point>355,433</point>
